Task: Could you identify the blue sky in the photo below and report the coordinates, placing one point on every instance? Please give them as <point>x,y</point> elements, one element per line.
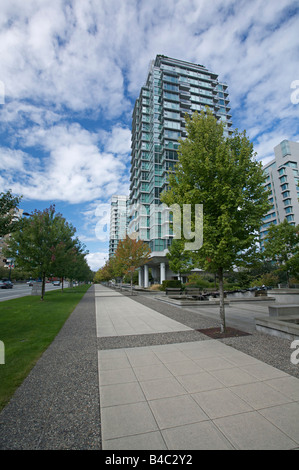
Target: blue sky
<point>71,70</point>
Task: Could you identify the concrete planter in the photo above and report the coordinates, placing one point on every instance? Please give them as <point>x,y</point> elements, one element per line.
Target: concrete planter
<point>284,327</point>
<point>285,296</point>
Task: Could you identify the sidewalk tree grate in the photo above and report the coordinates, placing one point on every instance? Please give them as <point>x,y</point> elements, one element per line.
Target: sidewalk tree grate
<point>216,333</point>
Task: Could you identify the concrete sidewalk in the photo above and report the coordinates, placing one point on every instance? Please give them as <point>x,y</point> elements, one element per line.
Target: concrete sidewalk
<point>191,395</point>
<point>118,315</point>
<point>57,405</point>
<point>157,384</point>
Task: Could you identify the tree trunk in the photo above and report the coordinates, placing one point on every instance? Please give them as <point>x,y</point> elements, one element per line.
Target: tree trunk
<point>43,285</point>
<point>131,283</point>
<point>221,295</point>
<point>288,279</point>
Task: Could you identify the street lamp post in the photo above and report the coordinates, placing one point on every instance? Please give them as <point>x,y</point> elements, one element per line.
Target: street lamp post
<point>11,265</point>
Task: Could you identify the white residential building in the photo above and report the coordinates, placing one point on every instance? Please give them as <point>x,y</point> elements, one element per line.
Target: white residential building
<point>119,214</point>
<point>283,181</point>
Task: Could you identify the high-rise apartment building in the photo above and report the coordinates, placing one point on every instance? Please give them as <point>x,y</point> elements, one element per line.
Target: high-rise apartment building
<point>119,213</point>
<point>172,89</point>
<point>283,181</point>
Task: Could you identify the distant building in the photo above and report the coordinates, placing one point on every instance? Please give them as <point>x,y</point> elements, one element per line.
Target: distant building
<point>119,214</point>
<point>283,181</point>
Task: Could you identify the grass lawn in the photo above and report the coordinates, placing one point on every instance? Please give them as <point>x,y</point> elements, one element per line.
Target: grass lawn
<point>27,327</point>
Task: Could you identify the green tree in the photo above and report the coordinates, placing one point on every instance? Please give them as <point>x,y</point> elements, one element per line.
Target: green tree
<point>293,266</point>
<point>222,174</point>
<point>8,204</point>
<point>34,245</point>
<point>68,256</point>
<point>78,269</point>
<point>180,261</point>
<point>105,273</point>
<point>130,255</point>
<point>282,247</point>
<point>267,279</point>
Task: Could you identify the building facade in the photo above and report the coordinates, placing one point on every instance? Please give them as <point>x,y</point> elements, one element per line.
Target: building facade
<point>119,213</point>
<point>283,182</point>
<point>172,89</point>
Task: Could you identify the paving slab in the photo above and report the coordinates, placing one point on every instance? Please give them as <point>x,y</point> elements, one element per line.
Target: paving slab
<point>193,393</point>
<point>252,431</point>
<point>285,417</point>
<point>176,397</point>
<point>202,435</point>
<point>118,315</point>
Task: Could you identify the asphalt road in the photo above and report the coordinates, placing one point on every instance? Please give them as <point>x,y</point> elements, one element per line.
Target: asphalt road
<point>21,290</point>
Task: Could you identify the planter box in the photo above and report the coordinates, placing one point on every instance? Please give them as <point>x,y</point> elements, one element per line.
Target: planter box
<point>284,327</point>
<point>285,296</point>
<point>277,310</point>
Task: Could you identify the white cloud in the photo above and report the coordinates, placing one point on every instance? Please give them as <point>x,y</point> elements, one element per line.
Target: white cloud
<point>96,260</point>
<point>73,168</point>
<point>72,71</point>
<point>117,141</point>
<point>57,52</point>
<point>86,55</point>
<point>22,114</point>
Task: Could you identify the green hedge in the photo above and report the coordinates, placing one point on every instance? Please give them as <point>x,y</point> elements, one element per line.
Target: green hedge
<point>170,283</point>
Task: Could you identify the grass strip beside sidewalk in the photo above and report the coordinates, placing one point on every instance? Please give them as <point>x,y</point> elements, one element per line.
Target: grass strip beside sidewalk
<point>27,328</point>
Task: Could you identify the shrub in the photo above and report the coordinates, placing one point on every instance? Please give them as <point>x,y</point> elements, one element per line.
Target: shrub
<point>155,287</point>
<point>170,283</point>
<point>197,280</point>
<point>232,287</point>
<point>267,279</point>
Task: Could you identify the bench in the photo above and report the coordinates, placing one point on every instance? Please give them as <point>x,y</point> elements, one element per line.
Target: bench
<point>173,290</point>
<point>194,292</point>
<point>260,293</point>
<point>118,287</point>
<point>211,293</point>
<point>281,310</point>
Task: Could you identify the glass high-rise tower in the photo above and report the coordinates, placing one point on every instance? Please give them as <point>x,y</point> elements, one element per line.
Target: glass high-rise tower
<point>172,89</point>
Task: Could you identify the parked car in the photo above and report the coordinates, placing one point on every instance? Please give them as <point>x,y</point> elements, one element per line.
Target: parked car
<point>31,282</point>
<point>56,283</point>
<point>6,284</point>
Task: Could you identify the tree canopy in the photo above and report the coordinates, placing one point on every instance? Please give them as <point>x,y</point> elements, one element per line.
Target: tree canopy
<point>282,247</point>
<point>129,256</point>
<point>180,260</point>
<point>222,174</point>
<point>8,206</point>
<point>45,243</point>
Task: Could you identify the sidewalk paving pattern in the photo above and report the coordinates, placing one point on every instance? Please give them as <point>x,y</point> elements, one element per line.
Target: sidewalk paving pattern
<point>192,395</point>
<point>118,315</point>
<point>122,376</point>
